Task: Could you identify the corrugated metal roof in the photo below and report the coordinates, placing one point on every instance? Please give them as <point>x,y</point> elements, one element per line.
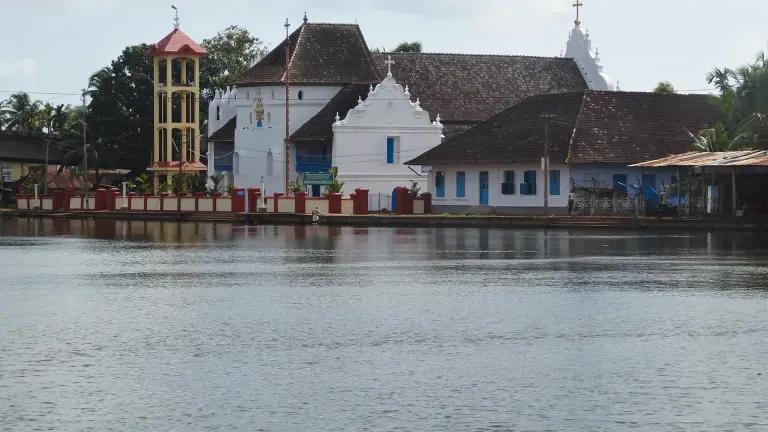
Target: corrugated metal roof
<point>710,159</point>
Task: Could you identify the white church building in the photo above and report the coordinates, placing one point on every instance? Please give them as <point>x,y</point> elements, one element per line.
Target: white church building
<point>367,113</point>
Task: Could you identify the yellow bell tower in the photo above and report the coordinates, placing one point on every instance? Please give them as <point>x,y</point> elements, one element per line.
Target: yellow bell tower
<point>176,106</point>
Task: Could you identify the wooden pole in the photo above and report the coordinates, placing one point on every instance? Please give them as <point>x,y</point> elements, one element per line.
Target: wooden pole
<point>734,200</point>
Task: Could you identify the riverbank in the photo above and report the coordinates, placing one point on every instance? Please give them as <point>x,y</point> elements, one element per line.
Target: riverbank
<point>411,221</point>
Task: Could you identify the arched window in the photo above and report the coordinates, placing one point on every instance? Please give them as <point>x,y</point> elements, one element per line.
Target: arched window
<point>301,94</point>
<point>218,113</point>
<point>270,164</point>
<point>269,119</point>
<point>236,163</point>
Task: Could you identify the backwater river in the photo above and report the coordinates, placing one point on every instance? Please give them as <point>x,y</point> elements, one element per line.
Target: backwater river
<point>160,326</point>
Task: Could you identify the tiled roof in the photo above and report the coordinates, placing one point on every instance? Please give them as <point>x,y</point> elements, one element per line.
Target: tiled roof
<point>176,42</point>
<point>29,148</point>
<point>626,127</point>
<point>515,135</point>
<point>320,54</point>
<point>470,88</point>
<point>226,132</point>
<point>319,127</point>
<point>585,127</point>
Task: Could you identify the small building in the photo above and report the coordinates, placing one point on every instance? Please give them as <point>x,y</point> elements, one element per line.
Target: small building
<point>21,152</point>
<point>731,182</point>
<point>590,137</point>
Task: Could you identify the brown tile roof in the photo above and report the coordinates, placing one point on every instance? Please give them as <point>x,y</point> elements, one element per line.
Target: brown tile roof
<point>470,88</point>
<point>585,127</point>
<point>176,42</point>
<point>226,132</point>
<point>739,158</point>
<point>320,54</point>
<point>319,128</point>
<point>627,127</point>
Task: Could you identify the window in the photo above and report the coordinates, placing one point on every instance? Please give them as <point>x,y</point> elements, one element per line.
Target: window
<point>440,184</point>
<point>461,184</point>
<point>236,163</point>
<point>218,113</point>
<point>508,184</point>
<point>528,186</point>
<point>250,118</point>
<point>270,164</point>
<point>269,119</point>
<point>301,94</point>
<point>554,182</point>
<point>620,183</point>
<point>391,150</point>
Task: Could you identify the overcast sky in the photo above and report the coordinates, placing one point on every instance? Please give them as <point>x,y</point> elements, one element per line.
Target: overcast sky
<point>54,45</point>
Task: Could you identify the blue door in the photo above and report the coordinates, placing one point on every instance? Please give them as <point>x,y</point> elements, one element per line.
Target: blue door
<point>483,188</point>
<point>650,193</point>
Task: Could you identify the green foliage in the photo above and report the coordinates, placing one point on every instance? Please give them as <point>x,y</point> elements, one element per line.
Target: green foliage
<point>179,183</point>
<point>664,87</point>
<point>336,186</point>
<point>231,189</point>
<point>230,53</point>
<point>142,184</point>
<point>409,47</point>
<point>163,187</point>
<point>216,183</point>
<point>295,187</point>
<point>195,183</point>
<point>20,113</point>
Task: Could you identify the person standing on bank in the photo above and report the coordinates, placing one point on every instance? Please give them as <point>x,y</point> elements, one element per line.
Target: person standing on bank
<point>315,215</point>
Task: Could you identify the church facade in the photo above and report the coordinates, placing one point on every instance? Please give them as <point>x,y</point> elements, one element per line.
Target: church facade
<point>334,117</point>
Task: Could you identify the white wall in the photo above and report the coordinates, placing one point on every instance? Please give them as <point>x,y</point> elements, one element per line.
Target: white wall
<point>360,140</point>
<point>252,144</point>
<point>510,203</point>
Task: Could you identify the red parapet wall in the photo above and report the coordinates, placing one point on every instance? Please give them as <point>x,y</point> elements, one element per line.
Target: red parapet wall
<point>334,203</point>
<point>360,200</point>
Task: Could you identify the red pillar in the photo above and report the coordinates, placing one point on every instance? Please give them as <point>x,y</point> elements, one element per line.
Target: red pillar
<point>101,200</point>
<point>404,201</point>
<point>254,195</point>
<point>277,196</point>
<point>360,203</point>
<point>58,199</point>
<point>301,202</point>
<point>334,203</point>
<point>427,197</point>
<point>238,200</point>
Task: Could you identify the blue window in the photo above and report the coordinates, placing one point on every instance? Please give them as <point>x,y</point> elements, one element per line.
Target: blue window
<point>528,186</point>
<point>508,186</point>
<point>620,183</point>
<point>390,150</point>
<point>440,184</point>
<point>554,182</point>
<point>460,184</point>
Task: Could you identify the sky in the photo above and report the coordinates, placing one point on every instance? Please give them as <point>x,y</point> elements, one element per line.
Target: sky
<point>52,46</point>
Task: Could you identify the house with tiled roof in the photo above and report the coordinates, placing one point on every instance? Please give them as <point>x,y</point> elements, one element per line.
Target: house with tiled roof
<point>590,138</point>
<point>328,70</point>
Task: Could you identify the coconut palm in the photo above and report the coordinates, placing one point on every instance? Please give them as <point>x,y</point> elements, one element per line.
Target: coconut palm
<point>20,113</point>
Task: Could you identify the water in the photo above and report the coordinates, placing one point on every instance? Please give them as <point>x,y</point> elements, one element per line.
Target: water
<point>154,326</point>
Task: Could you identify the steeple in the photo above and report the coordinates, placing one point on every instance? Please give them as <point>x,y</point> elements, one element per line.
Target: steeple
<point>580,49</point>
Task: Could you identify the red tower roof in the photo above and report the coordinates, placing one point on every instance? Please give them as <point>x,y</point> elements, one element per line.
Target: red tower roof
<point>177,42</point>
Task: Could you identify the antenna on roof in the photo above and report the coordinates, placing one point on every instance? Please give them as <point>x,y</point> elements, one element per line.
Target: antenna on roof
<point>176,18</point>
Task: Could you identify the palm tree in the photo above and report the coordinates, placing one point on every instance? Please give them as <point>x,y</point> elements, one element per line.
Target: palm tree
<point>721,79</point>
<point>20,113</point>
<point>718,139</point>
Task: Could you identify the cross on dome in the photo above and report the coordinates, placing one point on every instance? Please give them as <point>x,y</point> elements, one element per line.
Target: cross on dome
<point>389,62</point>
<point>578,6</point>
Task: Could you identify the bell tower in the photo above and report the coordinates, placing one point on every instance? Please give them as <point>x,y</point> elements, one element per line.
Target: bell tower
<point>176,138</point>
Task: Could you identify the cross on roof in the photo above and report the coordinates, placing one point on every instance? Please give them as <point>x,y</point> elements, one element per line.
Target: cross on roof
<point>389,62</point>
<point>578,6</point>
<point>176,18</point>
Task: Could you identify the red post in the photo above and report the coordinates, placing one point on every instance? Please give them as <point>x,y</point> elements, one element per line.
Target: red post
<point>58,199</point>
<point>101,200</point>
<point>360,203</point>
<point>198,195</point>
<point>146,199</point>
<point>404,201</point>
<point>277,196</point>
<point>301,202</point>
<point>254,195</point>
<point>238,200</point>
<point>130,200</point>
<point>427,197</point>
<point>334,203</point>
<point>162,201</point>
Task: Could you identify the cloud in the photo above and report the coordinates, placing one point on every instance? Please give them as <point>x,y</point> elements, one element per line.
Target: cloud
<point>23,71</point>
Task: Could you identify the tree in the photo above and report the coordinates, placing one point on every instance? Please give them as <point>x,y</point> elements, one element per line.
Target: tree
<point>20,113</point>
<point>409,47</point>
<point>664,87</point>
<point>230,53</point>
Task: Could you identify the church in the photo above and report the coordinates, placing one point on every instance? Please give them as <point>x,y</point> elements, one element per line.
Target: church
<point>323,99</point>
